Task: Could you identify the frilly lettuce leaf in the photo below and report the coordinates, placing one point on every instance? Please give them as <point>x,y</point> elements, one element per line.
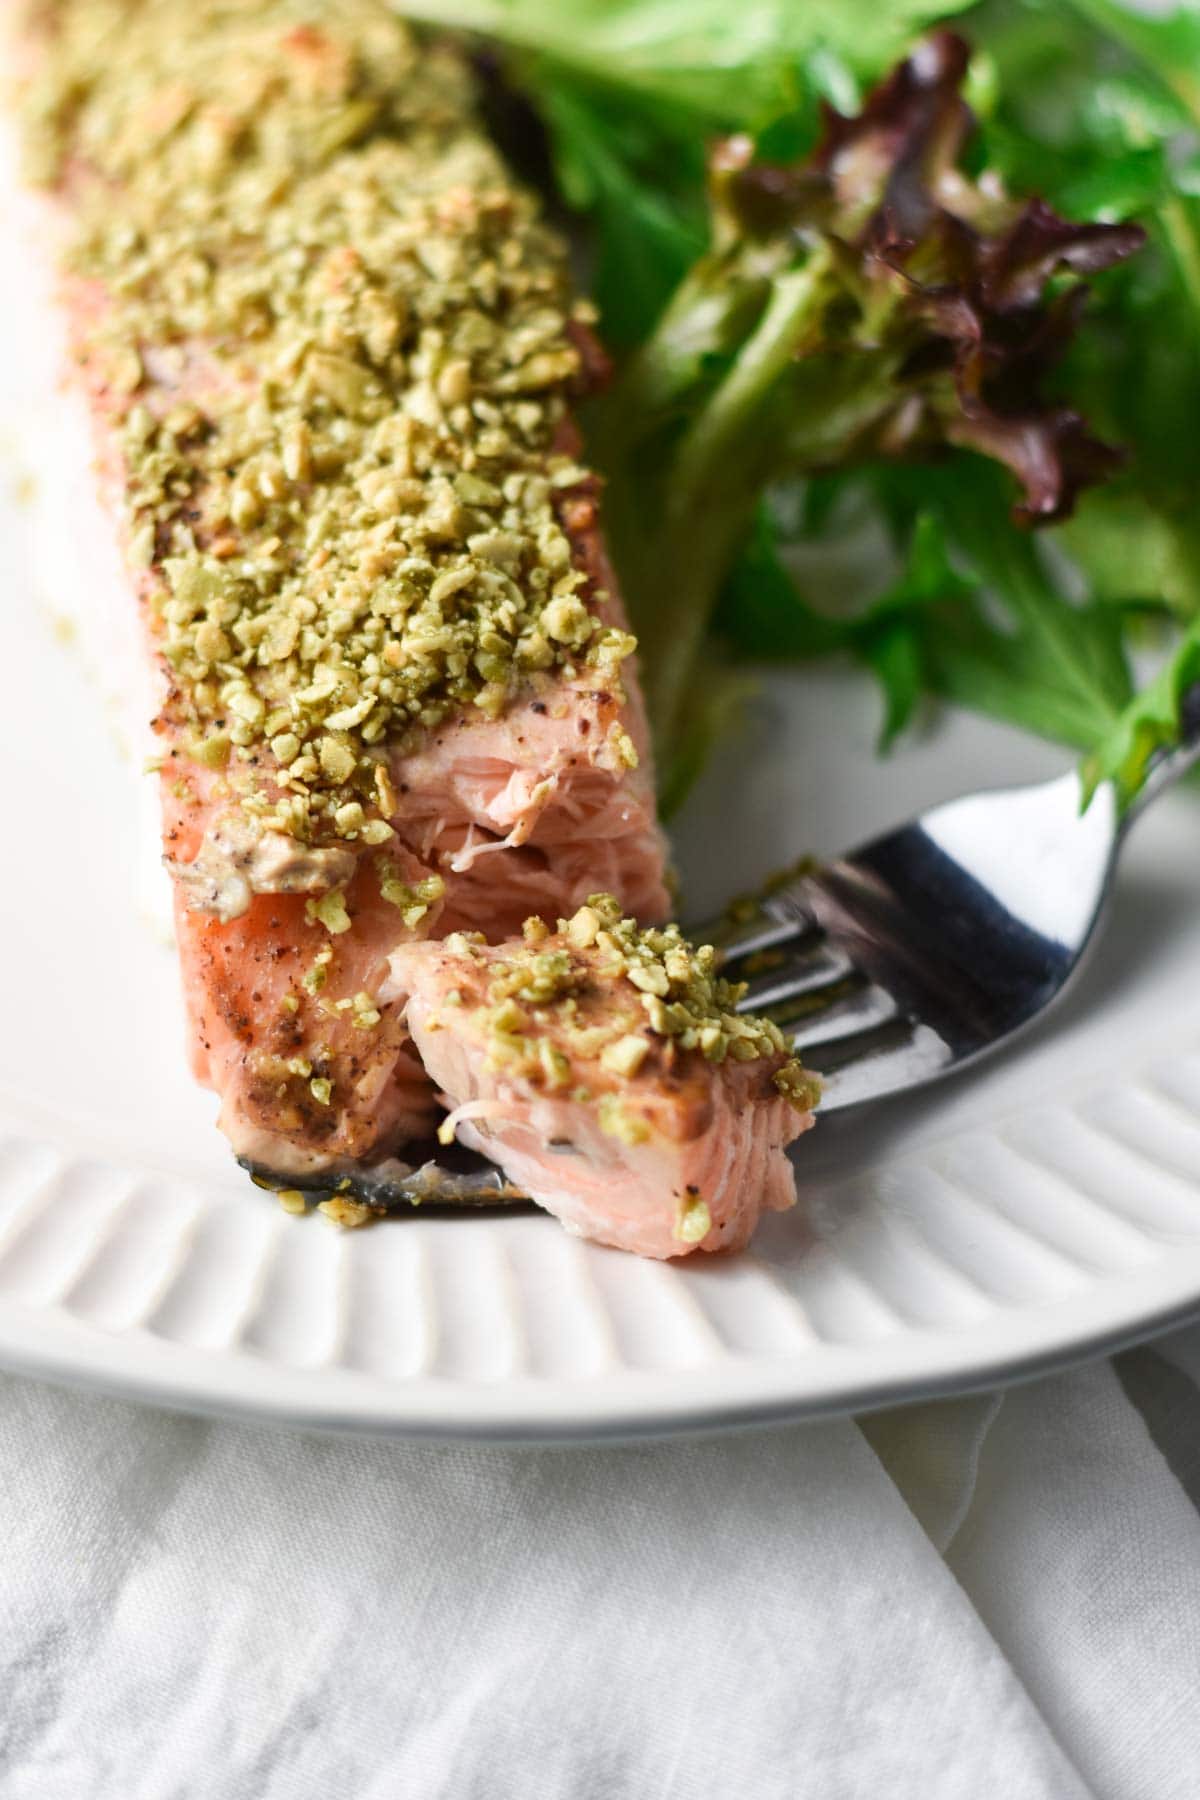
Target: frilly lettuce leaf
<point>871,300</point>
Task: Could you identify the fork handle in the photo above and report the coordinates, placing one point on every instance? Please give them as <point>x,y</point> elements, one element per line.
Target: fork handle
<point>1169,765</point>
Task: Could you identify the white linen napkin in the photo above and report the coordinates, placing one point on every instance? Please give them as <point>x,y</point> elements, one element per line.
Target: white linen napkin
<point>987,1597</point>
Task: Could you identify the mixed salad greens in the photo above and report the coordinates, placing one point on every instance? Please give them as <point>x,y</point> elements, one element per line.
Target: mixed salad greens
<point>842,259</point>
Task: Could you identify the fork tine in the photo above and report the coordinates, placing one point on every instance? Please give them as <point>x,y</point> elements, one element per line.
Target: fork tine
<point>751,938</point>
<point>790,940</point>
<point>865,1007</point>
<point>884,1059</point>
<point>756,926</point>
<point>811,971</point>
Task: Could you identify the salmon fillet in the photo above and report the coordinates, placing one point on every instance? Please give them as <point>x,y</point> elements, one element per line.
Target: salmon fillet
<point>604,1069</point>
<point>330,351</point>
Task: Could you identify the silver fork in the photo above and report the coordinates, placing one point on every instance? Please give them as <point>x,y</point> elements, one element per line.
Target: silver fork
<point>936,944</point>
<point>896,965</point>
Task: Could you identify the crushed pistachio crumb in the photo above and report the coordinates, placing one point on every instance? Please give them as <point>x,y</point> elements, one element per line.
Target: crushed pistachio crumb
<point>321,1090</point>
<point>693,1220</point>
<point>798,1087</point>
<point>348,1213</point>
<point>583,927</point>
<point>292,1200</point>
<point>412,900</point>
<point>619,1121</point>
<point>626,1055</point>
<point>329,910</point>
<point>315,977</point>
<point>365,1012</point>
<point>463,943</point>
<point>555,1066</point>
<point>624,747</point>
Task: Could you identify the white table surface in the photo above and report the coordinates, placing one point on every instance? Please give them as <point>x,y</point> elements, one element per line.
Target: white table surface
<point>997,1596</point>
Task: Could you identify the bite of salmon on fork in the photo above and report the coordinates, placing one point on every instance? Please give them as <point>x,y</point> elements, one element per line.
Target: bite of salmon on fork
<point>331,350</point>
<point>603,1067</point>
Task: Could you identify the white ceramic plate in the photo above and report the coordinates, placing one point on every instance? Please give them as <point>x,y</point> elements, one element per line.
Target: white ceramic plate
<point>1044,1208</point>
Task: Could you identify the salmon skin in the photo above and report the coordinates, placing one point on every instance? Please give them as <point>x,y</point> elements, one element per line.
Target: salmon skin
<point>604,1069</point>
<point>330,352</point>
<point>432,1176</point>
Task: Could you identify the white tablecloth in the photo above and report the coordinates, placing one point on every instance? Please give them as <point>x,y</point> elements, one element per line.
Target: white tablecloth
<point>986,1597</point>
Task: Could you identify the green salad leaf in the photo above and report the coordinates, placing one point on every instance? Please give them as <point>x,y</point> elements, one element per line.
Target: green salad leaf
<point>1021,649</point>
<point>975,616</point>
<point>646,233</point>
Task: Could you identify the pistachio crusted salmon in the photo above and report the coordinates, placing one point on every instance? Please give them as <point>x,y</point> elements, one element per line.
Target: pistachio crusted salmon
<point>604,1068</point>
<point>330,350</point>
